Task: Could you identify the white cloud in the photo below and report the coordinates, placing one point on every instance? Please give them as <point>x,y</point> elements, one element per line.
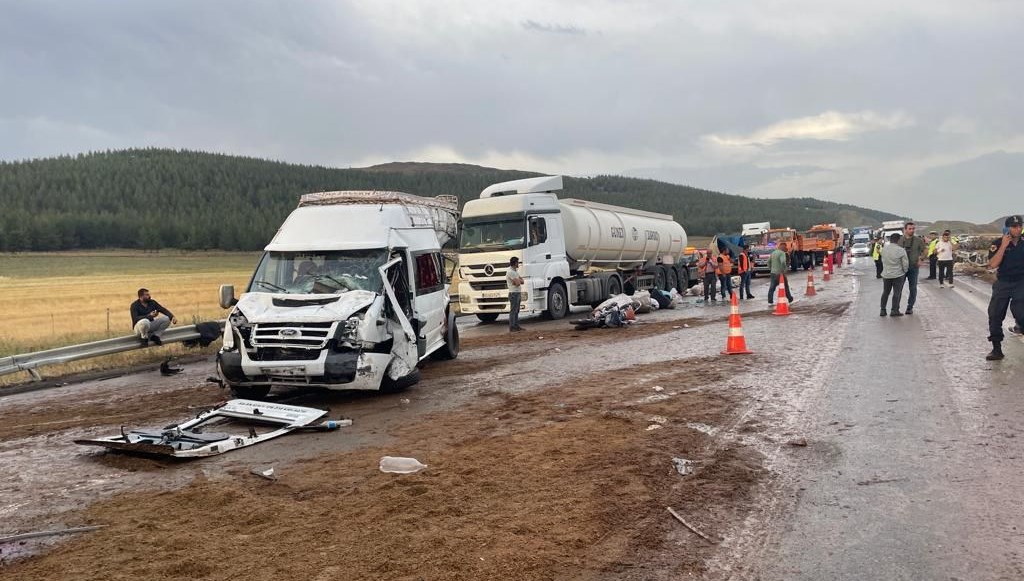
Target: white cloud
<point>827,126</point>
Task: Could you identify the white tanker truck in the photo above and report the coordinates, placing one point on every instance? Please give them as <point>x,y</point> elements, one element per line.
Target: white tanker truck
<point>572,252</point>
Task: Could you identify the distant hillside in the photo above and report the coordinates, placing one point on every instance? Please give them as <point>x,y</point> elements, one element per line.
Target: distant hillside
<point>158,198</point>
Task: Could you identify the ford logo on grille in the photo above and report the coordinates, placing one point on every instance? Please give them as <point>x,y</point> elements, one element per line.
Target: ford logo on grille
<point>489,270</point>
<point>290,333</point>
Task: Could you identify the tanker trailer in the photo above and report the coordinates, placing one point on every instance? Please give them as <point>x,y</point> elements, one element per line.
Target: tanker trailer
<point>571,252</point>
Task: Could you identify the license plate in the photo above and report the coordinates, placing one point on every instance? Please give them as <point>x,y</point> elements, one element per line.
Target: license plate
<point>289,371</point>
<point>492,294</point>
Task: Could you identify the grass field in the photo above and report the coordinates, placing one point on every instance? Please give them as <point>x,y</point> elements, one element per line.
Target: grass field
<point>49,300</point>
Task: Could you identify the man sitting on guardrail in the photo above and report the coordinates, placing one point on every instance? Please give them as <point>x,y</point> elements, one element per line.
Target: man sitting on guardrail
<point>150,319</point>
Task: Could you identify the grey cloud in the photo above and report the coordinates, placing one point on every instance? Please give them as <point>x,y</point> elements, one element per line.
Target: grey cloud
<point>343,82</point>
<point>555,28</point>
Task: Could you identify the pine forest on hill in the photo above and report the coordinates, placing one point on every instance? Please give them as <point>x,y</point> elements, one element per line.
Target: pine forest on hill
<point>159,198</point>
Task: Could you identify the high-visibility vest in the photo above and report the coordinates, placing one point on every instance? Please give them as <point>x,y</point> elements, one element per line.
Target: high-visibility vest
<point>744,262</point>
<point>876,254</point>
<point>726,267</point>
<point>931,246</point>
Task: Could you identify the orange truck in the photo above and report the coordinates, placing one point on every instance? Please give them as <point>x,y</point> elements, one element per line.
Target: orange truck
<point>770,240</point>
<point>820,240</point>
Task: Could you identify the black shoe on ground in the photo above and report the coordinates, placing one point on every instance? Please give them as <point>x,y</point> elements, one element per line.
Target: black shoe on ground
<point>156,340</point>
<point>1014,330</point>
<point>910,310</point>
<point>895,314</point>
<point>883,313</point>
<point>995,355</point>
<point>750,296</point>
<point>144,341</point>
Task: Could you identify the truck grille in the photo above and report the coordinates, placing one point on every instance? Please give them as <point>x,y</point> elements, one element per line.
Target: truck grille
<point>488,285</point>
<point>482,270</point>
<point>291,335</point>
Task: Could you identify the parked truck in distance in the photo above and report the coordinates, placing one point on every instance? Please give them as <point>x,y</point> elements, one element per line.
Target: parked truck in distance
<point>756,228</point>
<point>891,227</point>
<point>349,294</point>
<point>821,240</point>
<point>571,252</point>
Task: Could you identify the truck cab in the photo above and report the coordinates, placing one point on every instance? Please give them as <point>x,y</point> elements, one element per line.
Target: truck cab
<point>351,293</point>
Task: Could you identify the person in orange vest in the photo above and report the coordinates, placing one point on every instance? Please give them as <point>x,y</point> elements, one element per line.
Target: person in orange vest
<point>745,272</point>
<point>725,275</point>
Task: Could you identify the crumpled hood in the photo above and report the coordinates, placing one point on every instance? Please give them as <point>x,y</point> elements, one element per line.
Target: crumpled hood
<point>294,308</point>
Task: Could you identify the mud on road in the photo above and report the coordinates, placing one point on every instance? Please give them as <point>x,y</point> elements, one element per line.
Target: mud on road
<point>550,456</point>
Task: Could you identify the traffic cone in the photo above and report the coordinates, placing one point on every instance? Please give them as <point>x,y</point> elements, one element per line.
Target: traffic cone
<point>827,267</point>
<point>736,344</point>
<point>810,292</point>
<point>781,302</point>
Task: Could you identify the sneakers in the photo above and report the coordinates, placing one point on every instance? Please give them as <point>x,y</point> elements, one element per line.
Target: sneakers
<point>156,340</point>
<point>910,310</point>
<point>750,296</point>
<point>895,314</point>
<point>883,313</point>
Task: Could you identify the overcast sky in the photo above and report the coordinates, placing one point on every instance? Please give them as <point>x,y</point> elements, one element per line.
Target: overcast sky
<point>912,107</point>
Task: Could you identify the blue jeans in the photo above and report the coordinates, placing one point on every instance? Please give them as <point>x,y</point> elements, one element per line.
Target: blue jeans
<point>514,302</point>
<point>912,285</point>
<point>745,284</point>
<point>725,284</point>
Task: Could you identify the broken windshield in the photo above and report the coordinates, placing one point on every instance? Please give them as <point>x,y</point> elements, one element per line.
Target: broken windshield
<point>493,235</point>
<point>319,272</point>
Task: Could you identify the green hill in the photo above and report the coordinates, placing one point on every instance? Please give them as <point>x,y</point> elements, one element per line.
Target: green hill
<point>159,198</point>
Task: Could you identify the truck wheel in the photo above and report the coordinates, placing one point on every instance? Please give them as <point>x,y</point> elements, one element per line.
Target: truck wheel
<point>388,385</point>
<point>671,279</point>
<point>450,350</point>
<point>558,303</point>
<point>487,317</point>
<point>659,278</point>
<point>682,282</point>
<point>250,391</point>
<point>614,287</point>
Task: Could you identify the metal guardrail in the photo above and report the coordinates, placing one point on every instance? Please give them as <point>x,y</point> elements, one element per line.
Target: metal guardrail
<point>31,361</point>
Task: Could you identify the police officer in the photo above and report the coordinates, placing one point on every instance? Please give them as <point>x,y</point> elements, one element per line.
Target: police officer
<point>1008,290</point>
<point>933,257</point>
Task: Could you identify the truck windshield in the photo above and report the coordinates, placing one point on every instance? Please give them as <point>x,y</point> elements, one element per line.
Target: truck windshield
<point>493,235</point>
<point>319,272</point>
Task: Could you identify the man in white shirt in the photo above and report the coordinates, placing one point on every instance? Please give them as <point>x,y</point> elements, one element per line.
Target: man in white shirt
<point>515,288</point>
<point>944,249</point>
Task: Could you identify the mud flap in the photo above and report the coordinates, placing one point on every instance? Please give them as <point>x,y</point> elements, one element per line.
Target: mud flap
<point>405,349</point>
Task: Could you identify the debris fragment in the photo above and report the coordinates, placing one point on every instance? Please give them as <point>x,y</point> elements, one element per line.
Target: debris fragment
<point>653,427</point>
<point>41,534</point>
<point>400,465</point>
<point>689,526</point>
<point>166,370</point>
<point>658,419</point>
<point>658,388</point>
<point>404,401</point>
<point>880,481</point>
<point>800,442</point>
<point>683,466</point>
<point>264,472</point>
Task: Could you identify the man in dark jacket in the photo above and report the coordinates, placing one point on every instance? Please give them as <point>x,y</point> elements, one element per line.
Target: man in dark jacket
<point>150,319</point>
<point>916,250</point>
<point>1008,290</point>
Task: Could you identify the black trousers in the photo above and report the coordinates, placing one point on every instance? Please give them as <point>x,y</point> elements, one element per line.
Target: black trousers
<point>946,271</point>
<point>1005,294</point>
<point>709,286</point>
<point>894,286</point>
<point>878,269</point>
<point>932,261</point>
<point>773,285</point>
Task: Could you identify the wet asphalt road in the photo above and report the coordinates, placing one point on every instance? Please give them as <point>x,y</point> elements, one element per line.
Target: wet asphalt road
<point>915,462</point>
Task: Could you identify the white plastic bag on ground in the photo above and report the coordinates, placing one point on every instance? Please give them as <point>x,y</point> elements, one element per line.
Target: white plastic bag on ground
<point>400,465</point>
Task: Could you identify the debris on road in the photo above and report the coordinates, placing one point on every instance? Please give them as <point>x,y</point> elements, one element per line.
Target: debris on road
<point>264,472</point>
<point>196,438</point>
<point>689,526</point>
<point>658,388</point>
<point>400,465</point>
<point>683,466</point>
<point>166,370</point>
<point>40,534</point>
<point>798,442</point>
<point>872,481</point>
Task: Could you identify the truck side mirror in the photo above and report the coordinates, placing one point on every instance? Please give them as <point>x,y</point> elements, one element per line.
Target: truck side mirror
<point>227,296</point>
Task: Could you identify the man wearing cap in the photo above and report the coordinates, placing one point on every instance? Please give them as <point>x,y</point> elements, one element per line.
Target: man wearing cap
<point>933,257</point>
<point>1008,290</point>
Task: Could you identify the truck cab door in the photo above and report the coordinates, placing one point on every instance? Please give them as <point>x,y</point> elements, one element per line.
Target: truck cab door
<point>543,247</point>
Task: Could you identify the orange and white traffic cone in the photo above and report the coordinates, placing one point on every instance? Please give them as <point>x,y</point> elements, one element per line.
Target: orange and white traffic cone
<point>810,292</point>
<point>827,267</point>
<point>781,302</point>
<point>736,344</point>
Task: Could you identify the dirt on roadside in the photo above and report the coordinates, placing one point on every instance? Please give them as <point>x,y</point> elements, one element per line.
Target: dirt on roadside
<point>571,481</point>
